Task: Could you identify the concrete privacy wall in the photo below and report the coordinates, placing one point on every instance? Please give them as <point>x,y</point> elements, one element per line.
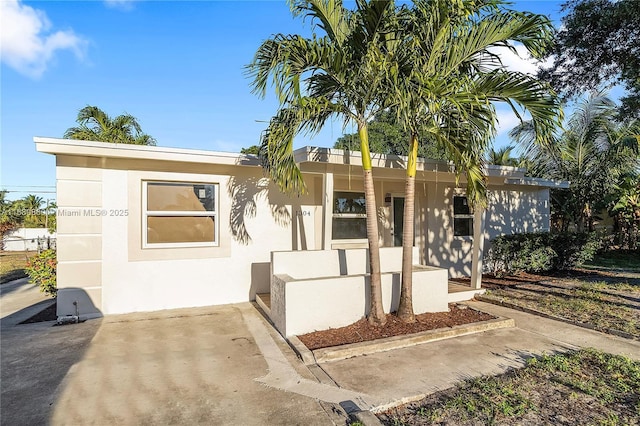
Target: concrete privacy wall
<point>323,295</point>
<point>329,263</point>
<point>26,239</point>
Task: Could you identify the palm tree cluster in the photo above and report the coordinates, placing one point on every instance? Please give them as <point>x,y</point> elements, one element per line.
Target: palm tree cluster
<point>430,64</point>
<point>594,152</point>
<point>29,212</point>
<point>96,125</point>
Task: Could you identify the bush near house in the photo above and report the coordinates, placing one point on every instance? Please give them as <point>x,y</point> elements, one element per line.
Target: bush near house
<point>42,271</point>
<point>541,251</point>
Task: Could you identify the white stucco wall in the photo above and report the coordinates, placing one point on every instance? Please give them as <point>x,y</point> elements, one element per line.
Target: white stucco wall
<point>103,263</point>
<point>515,209</point>
<point>23,239</point>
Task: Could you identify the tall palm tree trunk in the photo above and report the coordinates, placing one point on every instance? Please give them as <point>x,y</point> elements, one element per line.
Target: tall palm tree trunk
<point>405,309</point>
<point>376,311</point>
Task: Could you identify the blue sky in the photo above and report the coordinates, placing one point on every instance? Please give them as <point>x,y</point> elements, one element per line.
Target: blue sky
<point>176,66</point>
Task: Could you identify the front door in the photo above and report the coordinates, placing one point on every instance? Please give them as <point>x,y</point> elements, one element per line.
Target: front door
<point>398,220</point>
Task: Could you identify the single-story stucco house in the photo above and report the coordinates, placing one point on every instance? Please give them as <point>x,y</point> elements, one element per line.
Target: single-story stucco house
<point>144,228</point>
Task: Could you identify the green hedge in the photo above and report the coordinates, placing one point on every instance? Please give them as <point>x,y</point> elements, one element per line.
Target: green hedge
<point>541,252</point>
<point>42,271</point>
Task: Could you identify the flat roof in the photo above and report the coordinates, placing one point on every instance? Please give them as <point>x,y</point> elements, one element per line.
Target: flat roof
<point>307,154</point>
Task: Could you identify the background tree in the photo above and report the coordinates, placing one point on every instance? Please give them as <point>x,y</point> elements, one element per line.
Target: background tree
<point>592,152</point>
<point>32,206</point>
<point>598,45</point>
<point>386,136</point>
<point>10,218</point>
<point>252,150</point>
<point>339,71</point>
<point>96,125</point>
<point>502,157</point>
<point>624,208</point>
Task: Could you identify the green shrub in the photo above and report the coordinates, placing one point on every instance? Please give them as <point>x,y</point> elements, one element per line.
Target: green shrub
<point>42,271</point>
<point>540,252</point>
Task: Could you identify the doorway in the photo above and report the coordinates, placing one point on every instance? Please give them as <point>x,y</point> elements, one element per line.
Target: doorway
<point>398,220</point>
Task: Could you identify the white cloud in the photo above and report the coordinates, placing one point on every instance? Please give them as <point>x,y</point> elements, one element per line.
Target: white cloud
<point>26,42</point>
<point>120,4</point>
<point>521,61</point>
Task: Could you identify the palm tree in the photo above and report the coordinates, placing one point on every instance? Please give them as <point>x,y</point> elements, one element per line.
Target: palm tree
<point>338,72</point>
<point>450,80</point>
<point>624,207</point>
<point>96,125</point>
<point>32,204</point>
<point>592,152</point>
<point>502,157</point>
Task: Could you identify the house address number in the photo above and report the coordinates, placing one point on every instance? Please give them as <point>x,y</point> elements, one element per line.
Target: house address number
<point>303,213</point>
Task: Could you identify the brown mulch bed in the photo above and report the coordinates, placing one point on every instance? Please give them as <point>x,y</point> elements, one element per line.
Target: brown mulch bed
<point>47,314</point>
<point>362,331</point>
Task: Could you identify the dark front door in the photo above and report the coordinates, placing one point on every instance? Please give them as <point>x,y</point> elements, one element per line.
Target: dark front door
<point>398,220</point>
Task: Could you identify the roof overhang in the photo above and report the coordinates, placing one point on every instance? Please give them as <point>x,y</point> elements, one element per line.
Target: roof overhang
<point>159,153</point>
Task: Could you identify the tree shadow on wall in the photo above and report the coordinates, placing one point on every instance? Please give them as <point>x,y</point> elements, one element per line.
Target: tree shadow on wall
<point>245,194</point>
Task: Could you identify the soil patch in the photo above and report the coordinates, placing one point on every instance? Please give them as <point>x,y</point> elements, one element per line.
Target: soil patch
<point>362,331</point>
<point>47,314</point>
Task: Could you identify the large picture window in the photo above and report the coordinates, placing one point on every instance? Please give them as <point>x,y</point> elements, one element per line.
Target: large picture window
<point>349,216</point>
<point>462,217</point>
<point>180,214</point>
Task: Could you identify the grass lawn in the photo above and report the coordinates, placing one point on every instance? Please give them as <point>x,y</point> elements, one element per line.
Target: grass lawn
<point>12,264</point>
<point>583,387</point>
<point>621,260</point>
<point>608,301</point>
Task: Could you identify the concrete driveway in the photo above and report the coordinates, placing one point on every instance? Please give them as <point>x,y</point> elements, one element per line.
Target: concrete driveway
<point>218,365</point>
<point>226,365</point>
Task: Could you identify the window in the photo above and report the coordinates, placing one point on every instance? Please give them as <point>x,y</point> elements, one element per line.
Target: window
<point>177,214</point>
<point>349,216</point>
<point>462,217</point>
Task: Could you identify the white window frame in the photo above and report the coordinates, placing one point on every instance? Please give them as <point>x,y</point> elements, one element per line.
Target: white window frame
<point>347,216</point>
<point>185,213</point>
<point>461,216</point>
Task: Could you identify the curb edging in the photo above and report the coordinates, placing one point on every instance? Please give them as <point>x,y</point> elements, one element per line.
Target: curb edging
<point>337,353</point>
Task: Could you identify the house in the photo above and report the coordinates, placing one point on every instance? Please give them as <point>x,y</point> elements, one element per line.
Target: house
<point>144,228</point>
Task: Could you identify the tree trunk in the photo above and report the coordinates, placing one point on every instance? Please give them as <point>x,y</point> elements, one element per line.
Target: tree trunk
<point>376,311</point>
<point>405,309</point>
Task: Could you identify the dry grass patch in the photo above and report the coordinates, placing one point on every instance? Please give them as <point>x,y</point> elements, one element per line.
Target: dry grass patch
<point>584,387</point>
<point>12,264</point>
<point>605,302</point>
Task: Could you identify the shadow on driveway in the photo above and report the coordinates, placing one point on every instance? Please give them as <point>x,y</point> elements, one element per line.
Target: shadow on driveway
<point>35,358</point>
